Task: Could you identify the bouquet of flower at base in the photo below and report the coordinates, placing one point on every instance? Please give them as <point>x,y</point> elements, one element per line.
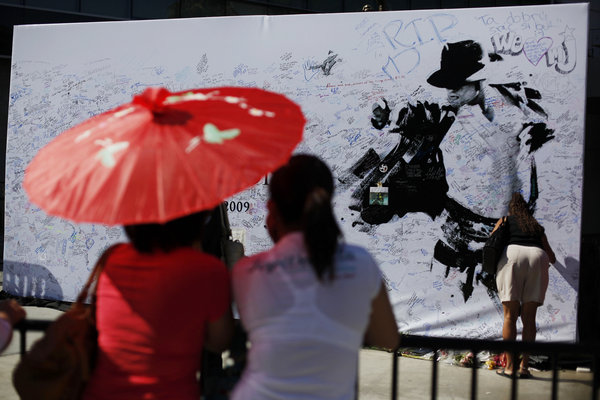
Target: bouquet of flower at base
<point>465,360</point>
<point>495,361</point>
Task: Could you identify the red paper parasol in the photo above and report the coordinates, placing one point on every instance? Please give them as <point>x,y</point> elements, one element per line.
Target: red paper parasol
<point>164,155</point>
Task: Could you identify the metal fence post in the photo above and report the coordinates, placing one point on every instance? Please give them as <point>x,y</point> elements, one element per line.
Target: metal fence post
<point>395,356</point>
<point>554,376</point>
<point>474,376</point>
<point>552,349</point>
<point>22,340</point>
<point>513,386</point>
<point>434,375</point>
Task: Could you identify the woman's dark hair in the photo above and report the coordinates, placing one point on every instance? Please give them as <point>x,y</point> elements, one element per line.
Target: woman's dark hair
<point>180,232</point>
<point>520,210</point>
<point>302,191</point>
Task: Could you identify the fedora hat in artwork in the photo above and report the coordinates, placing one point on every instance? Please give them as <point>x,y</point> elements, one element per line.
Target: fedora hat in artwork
<point>459,62</point>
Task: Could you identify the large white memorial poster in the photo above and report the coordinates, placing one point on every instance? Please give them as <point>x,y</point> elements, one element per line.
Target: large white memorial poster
<point>429,120</point>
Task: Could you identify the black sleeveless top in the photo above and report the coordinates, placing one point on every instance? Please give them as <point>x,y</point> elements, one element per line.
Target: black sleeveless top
<point>517,236</point>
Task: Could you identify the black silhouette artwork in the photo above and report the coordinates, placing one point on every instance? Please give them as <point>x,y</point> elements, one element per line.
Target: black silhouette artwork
<point>500,124</point>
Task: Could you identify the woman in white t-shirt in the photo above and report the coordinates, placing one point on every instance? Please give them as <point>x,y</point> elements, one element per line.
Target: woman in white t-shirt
<point>310,302</point>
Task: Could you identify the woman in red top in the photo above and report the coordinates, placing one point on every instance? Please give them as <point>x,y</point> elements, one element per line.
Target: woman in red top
<point>160,301</point>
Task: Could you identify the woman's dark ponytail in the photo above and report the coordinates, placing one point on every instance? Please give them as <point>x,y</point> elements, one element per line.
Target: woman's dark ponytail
<point>321,232</point>
<point>302,191</point>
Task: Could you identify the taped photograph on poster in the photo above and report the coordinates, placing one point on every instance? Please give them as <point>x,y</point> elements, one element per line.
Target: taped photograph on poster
<point>379,195</point>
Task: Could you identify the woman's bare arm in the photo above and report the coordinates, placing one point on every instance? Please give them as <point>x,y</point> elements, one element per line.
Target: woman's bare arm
<point>548,249</point>
<point>498,223</point>
<point>219,333</point>
<point>382,330</point>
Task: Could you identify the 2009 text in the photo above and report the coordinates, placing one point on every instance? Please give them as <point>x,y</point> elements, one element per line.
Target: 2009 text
<point>237,206</point>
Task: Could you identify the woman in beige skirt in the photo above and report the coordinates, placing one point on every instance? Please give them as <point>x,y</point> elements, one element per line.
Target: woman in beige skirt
<point>522,277</point>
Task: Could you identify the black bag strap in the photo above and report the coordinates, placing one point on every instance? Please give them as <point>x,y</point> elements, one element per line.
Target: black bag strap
<point>94,275</point>
<point>225,221</point>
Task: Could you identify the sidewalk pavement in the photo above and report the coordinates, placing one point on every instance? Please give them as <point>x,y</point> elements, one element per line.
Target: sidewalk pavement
<point>375,376</point>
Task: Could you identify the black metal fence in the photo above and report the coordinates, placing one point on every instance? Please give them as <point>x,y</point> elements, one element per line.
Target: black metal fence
<point>29,325</point>
<point>554,350</point>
